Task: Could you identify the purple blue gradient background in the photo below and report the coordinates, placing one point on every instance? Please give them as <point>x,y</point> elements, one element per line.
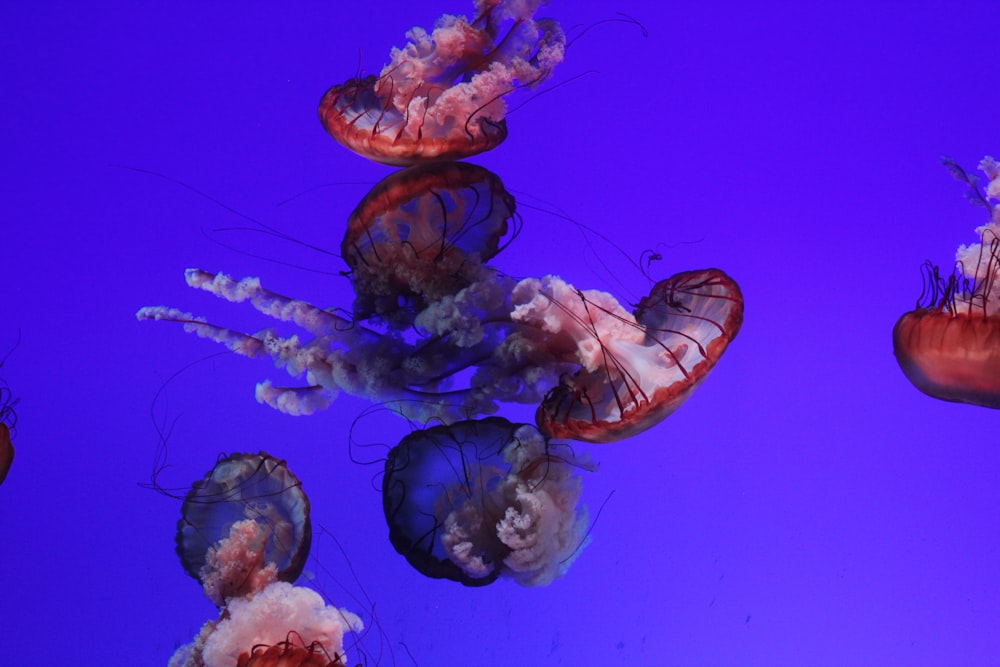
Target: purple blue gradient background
<point>807,506</point>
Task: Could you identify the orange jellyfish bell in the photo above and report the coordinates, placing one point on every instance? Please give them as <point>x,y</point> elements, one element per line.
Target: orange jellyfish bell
<point>635,370</point>
<point>951,356</point>
<point>441,96</point>
<point>949,347</point>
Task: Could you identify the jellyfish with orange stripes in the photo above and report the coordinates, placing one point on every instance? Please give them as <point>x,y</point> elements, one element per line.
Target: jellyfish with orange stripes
<point>423,234</point>
<point>949,346</point>
<point>441,97</point>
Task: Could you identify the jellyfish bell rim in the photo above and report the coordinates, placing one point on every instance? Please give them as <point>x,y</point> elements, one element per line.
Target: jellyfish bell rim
<point>932,347</point>
<point>662,402</point>
<point>399,151</point>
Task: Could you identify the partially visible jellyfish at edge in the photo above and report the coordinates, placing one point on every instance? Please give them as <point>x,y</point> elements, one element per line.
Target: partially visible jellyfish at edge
<point>8,419</point>
<point>949,346</point>
<point>441,96</point>
<point>245,534</point>
<point>483,499</point>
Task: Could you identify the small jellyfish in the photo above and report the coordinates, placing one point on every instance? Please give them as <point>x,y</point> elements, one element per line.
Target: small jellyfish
<point>634,370</point>
<point>441,96</point>
<point>949,346</point>
<point>481,499</point>
<point>422,234</point>
<point>244,526</point>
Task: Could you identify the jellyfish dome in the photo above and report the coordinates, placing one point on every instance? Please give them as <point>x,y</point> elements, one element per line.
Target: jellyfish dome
<point>634,369</point>
<point>422,234</point>
<point>949,346</point>
<point>481,499</point>
<point>244,526</point>
<point>440,97</point>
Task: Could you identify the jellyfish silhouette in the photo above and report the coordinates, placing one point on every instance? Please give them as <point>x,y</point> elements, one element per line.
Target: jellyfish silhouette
<point>244,526</point>
<point>634,370</point>
<point>441,96</point>
<point>949,346</point>
<point>482,499</point>
<point>422,234</point>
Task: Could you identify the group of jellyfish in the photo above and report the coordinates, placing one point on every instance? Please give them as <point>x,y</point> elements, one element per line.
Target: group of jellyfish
<point>445,339</point>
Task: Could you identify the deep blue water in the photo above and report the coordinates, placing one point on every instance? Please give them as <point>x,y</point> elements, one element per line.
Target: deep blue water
<point>807,506</point>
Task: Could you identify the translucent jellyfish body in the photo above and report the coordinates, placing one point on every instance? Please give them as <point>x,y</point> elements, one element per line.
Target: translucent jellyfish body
<point>949,346</point>
<point>604,373</point>
<point>422,234</point>
<point>441,96</point>
<point>483,499</point>
<point>244,526</point>
<point>634,369</point>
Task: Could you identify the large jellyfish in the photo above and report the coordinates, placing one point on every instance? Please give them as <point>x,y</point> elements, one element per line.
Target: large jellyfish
<point>634,369</point>
<point>620,373</point>
<point>422,234</point>
<point>486,498</point>
<point>246,504</point>
<point>245,534</point>
<point>451,337</point>
<point>440,97</point>
<point>949,347</point>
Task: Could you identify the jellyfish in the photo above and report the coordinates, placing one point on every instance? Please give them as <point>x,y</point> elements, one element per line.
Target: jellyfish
<point>244,526</point>
<point>245,534</point>
<point>949,346</point>
<point>8,420</point>
<point>604,374</point>
<point>262,630</point>
<point>634,369</point>
<point>441,96</point>
<point>482,499</point>
<point>424,233</point>
<point>6,451</point>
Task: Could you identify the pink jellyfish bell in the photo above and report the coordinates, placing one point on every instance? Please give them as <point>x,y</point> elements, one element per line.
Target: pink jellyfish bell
<point>441,96</point>
<point>635,370</point>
